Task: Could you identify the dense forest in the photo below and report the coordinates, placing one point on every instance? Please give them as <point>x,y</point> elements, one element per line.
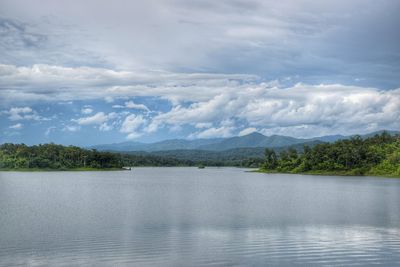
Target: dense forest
<point>51,156</point>
<point>240,157</point>
<point>58,157</point>
<point>378,155</point>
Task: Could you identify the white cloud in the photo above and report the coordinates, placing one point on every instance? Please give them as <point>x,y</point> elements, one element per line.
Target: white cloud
<point>86,110</point>
<point>23,113</point>
<point>19,113</point>
<point>214,98</point>
<point>247,131</point>
<point>101,119</point>
<point>203,100</point>
<point>132,124</point>
<point>49,130</point>
<point>98,118</point>
<point>222,131</point>
<point>17,126</point>
<point>175,128</point>
<point>152,127</point>
<point>306,110</point>
<point>132,105</point>
<point>133,135</point>
<point>71,128</point>
<point>108,99</point>
<point>201,125</point>
<point>104,127</point>
<point>118,106</point>
<point>214,109</point>
<point>301,110</point>
<point>47,83</point>
<point>65,103</point>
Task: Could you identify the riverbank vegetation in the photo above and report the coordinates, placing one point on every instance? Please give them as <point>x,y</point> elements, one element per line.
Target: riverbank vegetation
<point>378,155</point>
<point>58,157</point>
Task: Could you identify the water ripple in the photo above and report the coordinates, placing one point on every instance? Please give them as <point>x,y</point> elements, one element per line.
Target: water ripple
<point>319,246</point>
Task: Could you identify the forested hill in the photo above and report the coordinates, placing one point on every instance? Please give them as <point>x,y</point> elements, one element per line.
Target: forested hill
<point>58,157</point>
<point>378,155</point>
<point>252,140</point>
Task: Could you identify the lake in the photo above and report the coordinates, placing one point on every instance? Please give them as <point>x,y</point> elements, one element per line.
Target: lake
<point>197,217</point>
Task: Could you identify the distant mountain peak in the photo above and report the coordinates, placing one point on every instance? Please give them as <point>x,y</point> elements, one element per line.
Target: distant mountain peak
<point>251,140</point>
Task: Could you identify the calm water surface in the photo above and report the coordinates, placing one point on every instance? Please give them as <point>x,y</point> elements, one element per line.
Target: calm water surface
<point>197,217</point>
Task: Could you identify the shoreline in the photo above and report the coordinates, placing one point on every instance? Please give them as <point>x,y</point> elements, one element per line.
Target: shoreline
<point>110,169</point>
<point>321,173</point>
<point>61,170</point>
<point>329,173</point>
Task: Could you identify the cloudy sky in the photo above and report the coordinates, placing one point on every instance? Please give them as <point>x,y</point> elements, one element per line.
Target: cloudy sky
<point>90,72</point>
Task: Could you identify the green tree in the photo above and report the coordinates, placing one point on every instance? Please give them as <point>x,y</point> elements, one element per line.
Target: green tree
<point>271,160</point>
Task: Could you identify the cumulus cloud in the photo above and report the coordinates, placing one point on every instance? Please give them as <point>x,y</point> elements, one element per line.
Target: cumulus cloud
<point>23,113</point>
<point>17,126</point>
<point>98,118</point>
<point>132,124</point>
<point>70,128</point>
<point>132,105</point>
<point>42,82</point>
<point>104,127</point>
<point>19,113</point>
<point>86,110</point>
<point>247,131</point>
<point>207,101</point>
<point>304,110</point>
<point>203,99</point>
<point>133,135</point>
<point>222,131</point>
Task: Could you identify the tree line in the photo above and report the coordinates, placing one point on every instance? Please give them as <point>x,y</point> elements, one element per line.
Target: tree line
<point>59,157</point>
<point>377,155</point>
<point>52,156</point>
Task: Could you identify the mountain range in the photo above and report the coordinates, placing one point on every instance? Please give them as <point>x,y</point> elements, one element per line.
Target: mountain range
<point>253,140</point>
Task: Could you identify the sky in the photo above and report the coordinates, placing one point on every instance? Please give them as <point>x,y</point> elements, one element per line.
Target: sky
<point>94,71</point>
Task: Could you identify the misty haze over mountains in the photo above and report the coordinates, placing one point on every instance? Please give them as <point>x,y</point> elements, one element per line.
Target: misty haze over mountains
<point>252,140</point>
